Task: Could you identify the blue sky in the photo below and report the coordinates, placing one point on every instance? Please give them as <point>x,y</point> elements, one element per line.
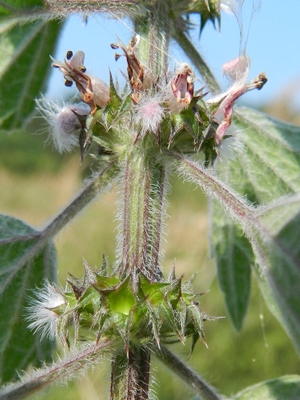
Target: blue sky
<point>271,38</point>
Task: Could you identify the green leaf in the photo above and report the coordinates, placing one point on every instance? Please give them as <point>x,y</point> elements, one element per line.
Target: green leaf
<point>24,67</point>
<point>11,7</point>
<point>233,258</point>
<point>17,12</point>
<point>22,268</point>
<point>278,255</point>
<point>270,163</point>
<point>266,169</point>
<point>283,388</point>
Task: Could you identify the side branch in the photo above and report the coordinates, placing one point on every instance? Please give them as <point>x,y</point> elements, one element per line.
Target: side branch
<point>64,370</point>
<point>186,374</point>
<point>239,209</point>
<point>99,182</point>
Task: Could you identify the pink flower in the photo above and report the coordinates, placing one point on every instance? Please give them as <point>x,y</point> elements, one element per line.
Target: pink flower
<point>237,72</point>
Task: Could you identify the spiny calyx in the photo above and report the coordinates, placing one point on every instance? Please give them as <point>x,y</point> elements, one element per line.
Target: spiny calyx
<point>131,308</point>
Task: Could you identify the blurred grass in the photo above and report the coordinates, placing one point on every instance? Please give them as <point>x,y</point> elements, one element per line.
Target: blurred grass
<point>36,183</point>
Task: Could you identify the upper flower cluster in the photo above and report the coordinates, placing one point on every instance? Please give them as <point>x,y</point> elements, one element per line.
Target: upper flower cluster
<point>167,107</point>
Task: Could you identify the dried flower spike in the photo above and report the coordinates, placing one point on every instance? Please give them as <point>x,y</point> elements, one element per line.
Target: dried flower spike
<point>135,69</point>
<point>93,91</point>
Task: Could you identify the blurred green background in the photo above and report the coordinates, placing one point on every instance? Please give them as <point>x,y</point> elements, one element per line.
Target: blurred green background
<point>36,183</point>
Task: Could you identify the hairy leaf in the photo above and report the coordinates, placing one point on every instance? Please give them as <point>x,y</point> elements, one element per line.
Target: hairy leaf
<point>233,258</point>
<point>270,162</point>
<point>24,264</point>
<point>267,168</point>
<point>285,387</point>
<point>278,255</point>
<point>19,12</point>
<point>24,67</point>
<point>11,7</point>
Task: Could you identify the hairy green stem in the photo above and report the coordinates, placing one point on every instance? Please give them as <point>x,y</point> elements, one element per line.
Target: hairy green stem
<point>143,208</point>
<point>130,374</point>
<point>154,31</point>
<point>236,205</point>
<point>186,374</point>
<point>140,248</point>
<point>144,201</point>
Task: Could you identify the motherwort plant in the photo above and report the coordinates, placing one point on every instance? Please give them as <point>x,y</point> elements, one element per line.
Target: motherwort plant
<point>157,126</point>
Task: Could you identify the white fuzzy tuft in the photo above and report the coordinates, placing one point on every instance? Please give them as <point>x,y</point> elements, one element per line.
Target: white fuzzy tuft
<point>41,311</point>
<point>149,113</point>
<point>63,122</point>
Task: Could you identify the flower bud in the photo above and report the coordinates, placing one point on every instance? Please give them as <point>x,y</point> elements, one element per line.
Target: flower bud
<point>182,86</point>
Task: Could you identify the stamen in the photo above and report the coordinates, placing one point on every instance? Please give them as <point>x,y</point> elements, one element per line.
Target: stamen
<point>69,54</point>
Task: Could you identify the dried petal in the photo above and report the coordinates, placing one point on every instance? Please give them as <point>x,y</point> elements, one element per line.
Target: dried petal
<point>93,91</point>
